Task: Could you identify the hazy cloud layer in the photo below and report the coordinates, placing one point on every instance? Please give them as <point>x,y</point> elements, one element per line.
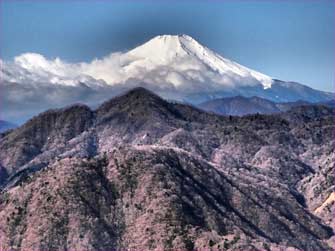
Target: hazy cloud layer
<point>176,67</point>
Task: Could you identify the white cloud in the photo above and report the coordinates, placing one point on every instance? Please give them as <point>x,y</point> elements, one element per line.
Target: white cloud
<point>179,61</point>
<point>173,66</point>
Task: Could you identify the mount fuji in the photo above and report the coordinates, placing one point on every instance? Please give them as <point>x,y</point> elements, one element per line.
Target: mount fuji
<point>176,67</point>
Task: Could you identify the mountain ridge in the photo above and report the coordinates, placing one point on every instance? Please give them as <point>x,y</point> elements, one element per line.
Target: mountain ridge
<point>240,105</point>
<point>140,172</point>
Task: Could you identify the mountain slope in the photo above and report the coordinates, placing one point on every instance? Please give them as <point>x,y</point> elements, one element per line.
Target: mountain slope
<point>140,172</point>
<point>176,67</point>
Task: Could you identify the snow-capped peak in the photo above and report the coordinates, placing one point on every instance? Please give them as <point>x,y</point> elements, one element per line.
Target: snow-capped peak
<point>167,49</point>
<point>164,48</point>
<point>161,49</point>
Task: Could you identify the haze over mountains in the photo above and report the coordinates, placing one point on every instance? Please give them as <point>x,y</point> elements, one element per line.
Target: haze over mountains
<point>5,125</point>
<point>142,173</point>
<point>240,105</point>
<point>175,67</point>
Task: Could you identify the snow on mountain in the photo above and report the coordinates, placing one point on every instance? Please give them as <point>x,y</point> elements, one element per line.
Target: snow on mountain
<point>174,66</point>
<point>183,54</point>
<point>174,61</point>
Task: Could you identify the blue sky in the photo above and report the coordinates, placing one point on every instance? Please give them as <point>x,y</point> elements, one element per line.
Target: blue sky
<point>288,40</point>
